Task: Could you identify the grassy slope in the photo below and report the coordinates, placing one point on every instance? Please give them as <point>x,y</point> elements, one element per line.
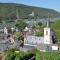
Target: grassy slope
<point>56,27</point>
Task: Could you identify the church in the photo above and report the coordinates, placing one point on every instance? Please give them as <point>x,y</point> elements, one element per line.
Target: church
<point>44,43</point>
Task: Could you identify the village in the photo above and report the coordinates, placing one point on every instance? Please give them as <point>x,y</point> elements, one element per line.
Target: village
<point>29,41</point>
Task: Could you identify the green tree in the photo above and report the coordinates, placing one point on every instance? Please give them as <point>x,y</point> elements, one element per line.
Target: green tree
<point>19,36</point>
<point>21,25</point>
<point>36,53</point>
<point>14,54</point>
<point>19,55</point>
<point>10,54</point>
<point>40,24</point>
<point>39,33</point>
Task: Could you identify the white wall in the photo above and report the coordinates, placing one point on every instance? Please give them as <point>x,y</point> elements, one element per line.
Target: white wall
<point>54,47</point>
<point>47,36</point>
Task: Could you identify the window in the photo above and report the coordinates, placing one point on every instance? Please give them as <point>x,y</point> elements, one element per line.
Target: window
<point>46,32</point>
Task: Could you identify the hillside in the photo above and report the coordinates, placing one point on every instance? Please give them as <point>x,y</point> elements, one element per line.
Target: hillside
<point>9,11</point>
<point>56,26</point>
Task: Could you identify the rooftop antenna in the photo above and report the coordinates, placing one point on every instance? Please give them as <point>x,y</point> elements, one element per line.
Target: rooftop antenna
<point>48,20</point>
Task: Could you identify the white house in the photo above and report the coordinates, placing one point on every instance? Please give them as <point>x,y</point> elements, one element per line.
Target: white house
<point>5,31</point>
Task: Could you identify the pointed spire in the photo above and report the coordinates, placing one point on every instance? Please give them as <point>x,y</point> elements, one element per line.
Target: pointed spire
<point>48,21</point>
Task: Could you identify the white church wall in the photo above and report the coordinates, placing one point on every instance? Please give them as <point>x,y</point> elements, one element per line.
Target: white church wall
<point>47,36</point>
<point>34,40</point>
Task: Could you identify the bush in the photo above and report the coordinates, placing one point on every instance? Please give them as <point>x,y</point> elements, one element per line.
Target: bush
<point>39,34</point>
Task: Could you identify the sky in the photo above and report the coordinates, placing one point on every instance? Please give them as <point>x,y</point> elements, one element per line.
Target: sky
<point>52,4</point>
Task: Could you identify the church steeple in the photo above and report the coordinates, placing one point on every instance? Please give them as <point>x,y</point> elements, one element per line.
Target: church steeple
<point>48,21</point>
<point>47,32</point>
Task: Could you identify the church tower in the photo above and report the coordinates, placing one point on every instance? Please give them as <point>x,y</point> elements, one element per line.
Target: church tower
<point>47,33</point>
